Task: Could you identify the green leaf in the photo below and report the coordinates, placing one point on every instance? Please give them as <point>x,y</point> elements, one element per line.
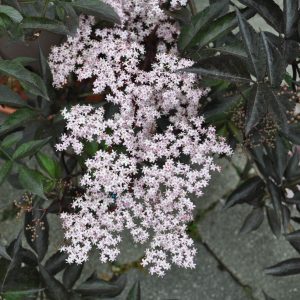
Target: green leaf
<point>253,45</point>
<point>54,289</point>
<point>269,10</point>
<point>275,62</point>
<point>285,268</point>
<point>135,292</point>
<point>256,107</point>
<point>91,148</point>
<point>190,31</point>
<point>11,140</point>
<point>253,220</point>
<point>38,234</point>
<point>94,286</point>
<point>23,60</point>
<point>19,295</point>
<point>96,8</point>
<point>5,23</point>
<point>8,97</point>
<point>49,165</point>
<point>29,80</point>
<point>247,191</point>
<point>41,23</point>
<point>224,67</point>
<point>30,148</point>
<point>5,170</point>
<point>71,19</point>
<point>11,12</point>
<point>274,221</point>
<point>31,181</point>
<point>291,17</point>
<point>17,119</point>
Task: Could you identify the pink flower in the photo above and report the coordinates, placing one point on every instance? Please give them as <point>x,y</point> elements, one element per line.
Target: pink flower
<point>144,188</point>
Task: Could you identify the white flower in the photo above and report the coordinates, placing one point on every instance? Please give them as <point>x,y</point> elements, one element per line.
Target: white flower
<point>146,188</point>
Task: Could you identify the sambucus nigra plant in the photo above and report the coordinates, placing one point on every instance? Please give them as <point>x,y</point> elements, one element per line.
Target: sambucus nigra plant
<point>251,102</point>
<point>50,182</point>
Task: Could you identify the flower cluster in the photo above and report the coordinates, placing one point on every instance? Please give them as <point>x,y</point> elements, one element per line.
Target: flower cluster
<point>155,150</point>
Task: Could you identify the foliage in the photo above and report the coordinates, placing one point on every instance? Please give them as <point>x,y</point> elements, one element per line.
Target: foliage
<point>27,275</point>
<point>49,180</point>
<point>26,19</point>
<point>155,136</point>
<point>251,102</point>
